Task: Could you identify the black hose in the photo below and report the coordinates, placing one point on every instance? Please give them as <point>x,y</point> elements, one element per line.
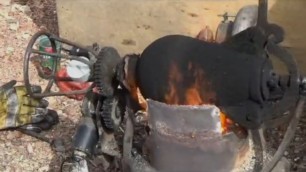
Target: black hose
<point>287,138</point>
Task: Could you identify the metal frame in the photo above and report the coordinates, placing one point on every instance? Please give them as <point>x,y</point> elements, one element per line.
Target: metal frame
<point>53,39</point>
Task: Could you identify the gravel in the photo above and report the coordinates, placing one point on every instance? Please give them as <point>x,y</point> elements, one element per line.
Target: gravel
<point>19,152</point>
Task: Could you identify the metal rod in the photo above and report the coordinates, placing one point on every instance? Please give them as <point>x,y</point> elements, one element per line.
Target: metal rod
<point>262,13</point>
<point>49,94</point>
<point>57,55</point>
<point>287,137</point>
<point>128,136</point>
<point>54,37</point>
<point>258,148</point>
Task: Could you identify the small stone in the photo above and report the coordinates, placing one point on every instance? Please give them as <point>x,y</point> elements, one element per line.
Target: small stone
<point>5,2</point>
<point>13,135</point>
<point>8,144</point>
<point>60,112</point>
<point>2,53</point>
<point>58,145</point>
<point>55,89</point>
<point>21,8</point>
<point>26,10</point>
<point>13,24</point>
<point>296,159</point>
<point>30,148</point>
<point>14,27</point>
<point>52,101</point>
<point>26,35</point>
<point>44,168</point>
<point>286,153</point>
<point>9,50</point>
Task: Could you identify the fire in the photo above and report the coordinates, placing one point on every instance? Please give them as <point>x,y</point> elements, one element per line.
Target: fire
<point>186,88</point>
<point>192,94</point>
<point>192,89</point>
<point>175,78</point>
<point>193,97</point>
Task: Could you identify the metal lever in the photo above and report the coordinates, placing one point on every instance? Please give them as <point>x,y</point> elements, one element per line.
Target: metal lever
<point>225,16</point>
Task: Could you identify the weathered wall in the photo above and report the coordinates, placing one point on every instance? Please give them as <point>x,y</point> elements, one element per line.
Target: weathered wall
<point>130,25</point>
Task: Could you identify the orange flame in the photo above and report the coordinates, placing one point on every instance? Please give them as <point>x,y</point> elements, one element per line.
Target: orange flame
<point>189,89</point>
<point>198,92</point>
<point>175,78</point>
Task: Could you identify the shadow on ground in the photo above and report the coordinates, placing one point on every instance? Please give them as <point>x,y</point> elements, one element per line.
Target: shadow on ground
<point>43,13</point>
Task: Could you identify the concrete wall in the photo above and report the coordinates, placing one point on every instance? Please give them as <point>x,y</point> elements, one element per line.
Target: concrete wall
<point>130,25</point>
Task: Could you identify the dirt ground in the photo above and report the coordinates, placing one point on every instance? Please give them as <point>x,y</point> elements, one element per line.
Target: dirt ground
<point>20,153</point>
<point>21,19</point>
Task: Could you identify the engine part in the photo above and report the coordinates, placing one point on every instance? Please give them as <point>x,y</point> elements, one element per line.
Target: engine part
<point>241,95</point>
<point>105,79</point>
<point>110,111</point>
<point>106,112</point>
<point>86,137</point>
<point>223,31</point>
<point>225,17</point>
<point>196,132</point>
<point>77,163</point>
<point>105,71</point>
<point>246,17</point>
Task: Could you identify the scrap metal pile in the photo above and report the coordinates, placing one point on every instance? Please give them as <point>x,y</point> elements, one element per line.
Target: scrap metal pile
<point>183,104</point>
